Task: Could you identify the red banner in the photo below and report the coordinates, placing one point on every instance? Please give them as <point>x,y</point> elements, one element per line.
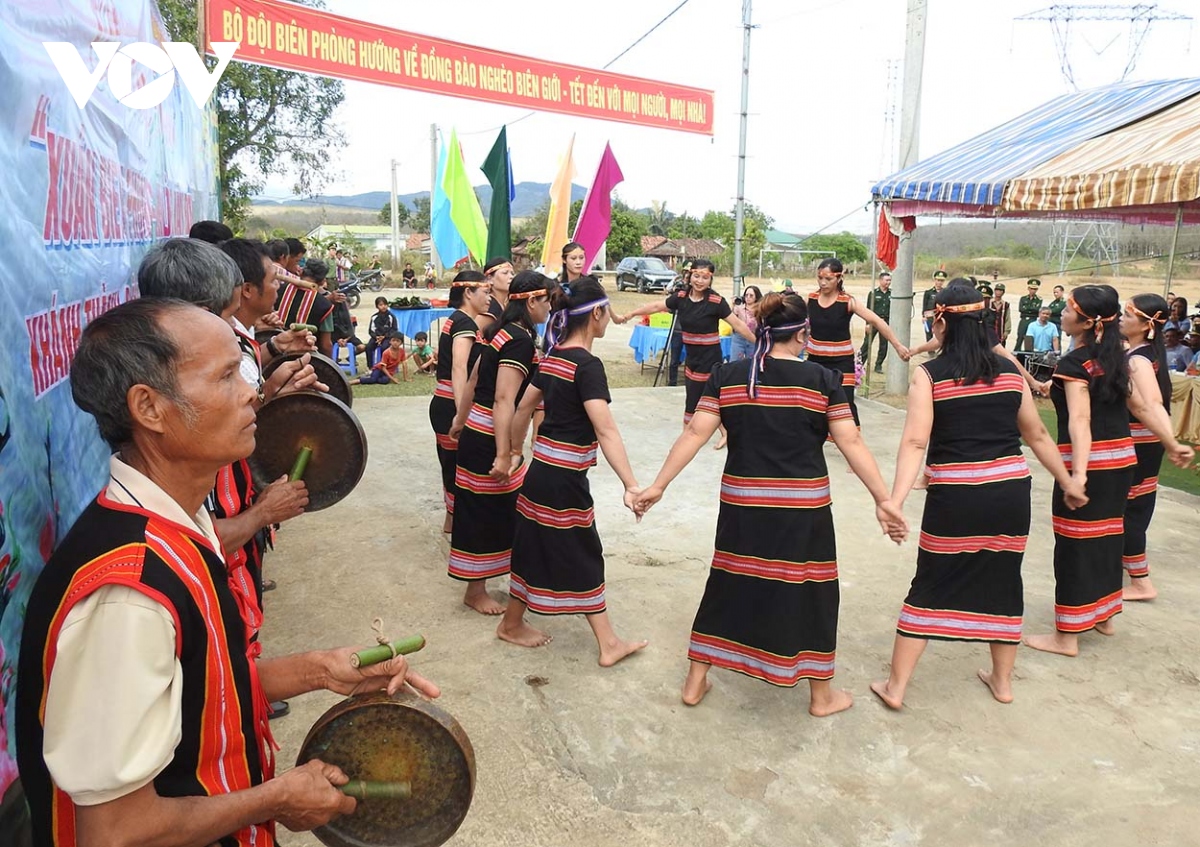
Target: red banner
<point>286,35</point>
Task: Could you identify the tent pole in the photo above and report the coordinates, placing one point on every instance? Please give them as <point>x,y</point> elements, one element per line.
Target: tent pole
<point>1174,244</point>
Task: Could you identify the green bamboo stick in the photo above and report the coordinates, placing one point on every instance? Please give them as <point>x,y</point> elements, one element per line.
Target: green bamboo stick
<point>304,327</point>
<point>301,464</point>
<point>365,789</point>
<point>382,652</point>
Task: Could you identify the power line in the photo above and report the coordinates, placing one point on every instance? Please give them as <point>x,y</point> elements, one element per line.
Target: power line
<point>605,67</point>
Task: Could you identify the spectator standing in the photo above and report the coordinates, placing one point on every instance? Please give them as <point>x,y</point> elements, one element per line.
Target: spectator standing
<point>1001,318</point>
<point>879,301</point>
<point>1042,335</point>
<point>1028,308</point>
<point>746,308</point>
<point>929,302</point>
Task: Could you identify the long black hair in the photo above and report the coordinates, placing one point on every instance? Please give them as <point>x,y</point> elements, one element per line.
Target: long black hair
<point>833,263</point>
<point>517,310</point>
<point>455,300</point>
<point>567,248</point>
<point>586,289</point>
<point>1156,307</point>
<point>965,344</point>
<point>1100,304</point>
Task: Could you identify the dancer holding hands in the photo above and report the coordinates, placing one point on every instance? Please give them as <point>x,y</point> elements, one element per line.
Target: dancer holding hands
<point>557,557</point>
<point>971,408</point>
<point>770,607</point>
<point>1092,396</point>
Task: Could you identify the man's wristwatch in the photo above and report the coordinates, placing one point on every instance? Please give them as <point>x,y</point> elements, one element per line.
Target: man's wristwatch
<point>271,348</point>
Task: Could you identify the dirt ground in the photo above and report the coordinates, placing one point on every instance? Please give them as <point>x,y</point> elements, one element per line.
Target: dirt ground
<point>1102,749</point>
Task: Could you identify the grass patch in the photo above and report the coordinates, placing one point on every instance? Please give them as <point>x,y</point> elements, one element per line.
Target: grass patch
<point>1169,476</point>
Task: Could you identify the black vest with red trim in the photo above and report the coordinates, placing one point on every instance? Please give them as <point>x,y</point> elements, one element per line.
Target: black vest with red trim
<point>225,739</point>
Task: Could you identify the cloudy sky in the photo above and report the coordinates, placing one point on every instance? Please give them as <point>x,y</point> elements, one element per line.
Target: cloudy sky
<point>819,92</point>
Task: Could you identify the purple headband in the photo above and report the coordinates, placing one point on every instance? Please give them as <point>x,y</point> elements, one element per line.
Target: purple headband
<point>766,340</point>
<point>558,321</point>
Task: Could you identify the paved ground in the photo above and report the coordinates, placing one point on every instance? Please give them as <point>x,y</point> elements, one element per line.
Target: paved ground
<point>1102,749</point>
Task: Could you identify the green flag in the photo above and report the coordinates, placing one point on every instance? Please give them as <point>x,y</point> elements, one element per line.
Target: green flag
<point>464,205</point>
<point>496,169</point>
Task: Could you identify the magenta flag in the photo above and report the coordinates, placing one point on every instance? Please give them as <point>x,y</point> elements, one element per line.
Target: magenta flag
<point>595,220</point>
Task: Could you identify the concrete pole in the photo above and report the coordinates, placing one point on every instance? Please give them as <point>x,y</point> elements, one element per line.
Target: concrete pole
<point>433,175</point>
<point>739,222</point>
<point>395,219</point>
<point>1174,245</point>
<point>910,125</point>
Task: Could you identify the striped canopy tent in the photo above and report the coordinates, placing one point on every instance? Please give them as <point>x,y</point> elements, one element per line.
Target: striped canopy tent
<point>1127,152</point>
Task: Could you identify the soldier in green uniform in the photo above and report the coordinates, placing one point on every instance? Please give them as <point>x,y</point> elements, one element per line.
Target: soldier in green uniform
<point>1056,306</point>
<point>928,303</point>
<point>879,301</point>
<point>1028,308</point>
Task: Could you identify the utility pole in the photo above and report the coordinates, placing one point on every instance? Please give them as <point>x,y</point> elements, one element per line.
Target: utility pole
<point>910,126</point>
<point>433,175</point>
<point>395,219</point>
<point>739,223</point>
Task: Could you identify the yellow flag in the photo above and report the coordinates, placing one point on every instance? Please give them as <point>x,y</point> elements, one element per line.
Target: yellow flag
<point>560,213</point>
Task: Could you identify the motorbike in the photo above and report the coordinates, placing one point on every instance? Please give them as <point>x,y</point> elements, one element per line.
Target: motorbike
<point>372,279</point>
<point>352,288</point>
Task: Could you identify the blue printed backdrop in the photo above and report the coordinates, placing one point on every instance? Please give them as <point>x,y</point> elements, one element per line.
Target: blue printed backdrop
<point>83,194</point>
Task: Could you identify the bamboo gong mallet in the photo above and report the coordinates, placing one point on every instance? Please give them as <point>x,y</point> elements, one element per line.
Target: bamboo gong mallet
<point>300,465</point>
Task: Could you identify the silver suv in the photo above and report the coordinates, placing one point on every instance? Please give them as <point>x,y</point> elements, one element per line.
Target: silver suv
<point>644,273</point>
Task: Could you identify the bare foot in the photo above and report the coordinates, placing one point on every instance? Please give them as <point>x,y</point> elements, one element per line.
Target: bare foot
<point>1140,589</point>
<point>1064,644</point>
<point>837,701</point>
<point>523,635</point>
<point>617,650</point>
<point>693,694</point>
<point>889,699</point>
<point>720,445</point>
<point>482,602</point>
<point>1106,628</point>
<point>1002,691</point>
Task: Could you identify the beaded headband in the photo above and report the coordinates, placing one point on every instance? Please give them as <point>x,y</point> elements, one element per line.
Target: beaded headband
<point>525,295</point>
<point>469,283</point>
<point>938,311</point>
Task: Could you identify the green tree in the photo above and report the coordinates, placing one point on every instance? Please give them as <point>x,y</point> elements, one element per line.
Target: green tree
<point>269,122</point>
<point>660,218</point>
<point>846,245</point>
<point>533,226</point>
<point>625,236</point>
<point>573,216</point>
<point>419,219</point>
<point>385,214</point>
<point>684,226</point>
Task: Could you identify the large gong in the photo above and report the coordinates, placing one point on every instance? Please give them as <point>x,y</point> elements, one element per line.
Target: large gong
<point>410,764</point>
<point>329,430</point>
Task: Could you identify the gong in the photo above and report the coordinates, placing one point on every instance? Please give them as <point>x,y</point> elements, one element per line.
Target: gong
<point>327,371</point>
<point>262,336</point>
<point>415,761</point>
<point>328,428</point>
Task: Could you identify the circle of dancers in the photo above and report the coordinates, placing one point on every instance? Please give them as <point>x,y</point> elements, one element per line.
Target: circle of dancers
<point>770,606</point>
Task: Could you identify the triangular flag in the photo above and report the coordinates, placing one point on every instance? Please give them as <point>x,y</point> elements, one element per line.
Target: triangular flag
<point>496,169</point>
<point>446,240</point>
<point>464,205</point>
<point>560,214</point>
<point>595,220</point>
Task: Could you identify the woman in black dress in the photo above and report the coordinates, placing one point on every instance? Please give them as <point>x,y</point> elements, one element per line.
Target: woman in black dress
<point>557,557</point>
<point>971,408</point>
<point>830,309</point>
<point>1141,325</point>
<point>698,311</point>
<point>486,493</point>
<point>1092,397</point>
<point>770,607</point>
<point>498,274</point>
<point>469,297</point>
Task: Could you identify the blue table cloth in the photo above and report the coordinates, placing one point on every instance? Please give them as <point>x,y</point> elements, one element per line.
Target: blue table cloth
<point>412,321</point>
<point>648,341</point>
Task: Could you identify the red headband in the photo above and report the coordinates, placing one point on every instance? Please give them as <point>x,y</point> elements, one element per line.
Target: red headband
<point>1098,322</point>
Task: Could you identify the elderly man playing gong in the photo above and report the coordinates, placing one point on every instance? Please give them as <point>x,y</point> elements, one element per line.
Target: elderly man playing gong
<point>141,707</point>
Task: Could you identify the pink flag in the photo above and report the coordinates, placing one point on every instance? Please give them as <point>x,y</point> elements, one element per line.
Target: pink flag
<point>595,220</point>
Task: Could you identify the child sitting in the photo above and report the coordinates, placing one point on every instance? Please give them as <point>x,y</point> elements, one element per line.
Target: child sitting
<point>423,354</point>
<point>394,359</point>
<point>383,324</point>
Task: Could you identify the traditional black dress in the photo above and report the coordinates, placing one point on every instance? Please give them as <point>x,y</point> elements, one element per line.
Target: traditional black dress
<point>1144,491</point>
<point>976,520</point>
<point>557,557</point>
<point>1088,541</point>
<point>485,509</point>
<point>829,341</point>
<point>441,407</point>
<point>699,324</point>
<point>770,607</point>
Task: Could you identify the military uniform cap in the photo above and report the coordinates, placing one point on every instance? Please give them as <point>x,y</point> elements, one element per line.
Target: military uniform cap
<point>939,275</point>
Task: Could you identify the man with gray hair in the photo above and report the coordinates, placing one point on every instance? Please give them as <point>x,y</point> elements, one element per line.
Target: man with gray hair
<point>141,697</point>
